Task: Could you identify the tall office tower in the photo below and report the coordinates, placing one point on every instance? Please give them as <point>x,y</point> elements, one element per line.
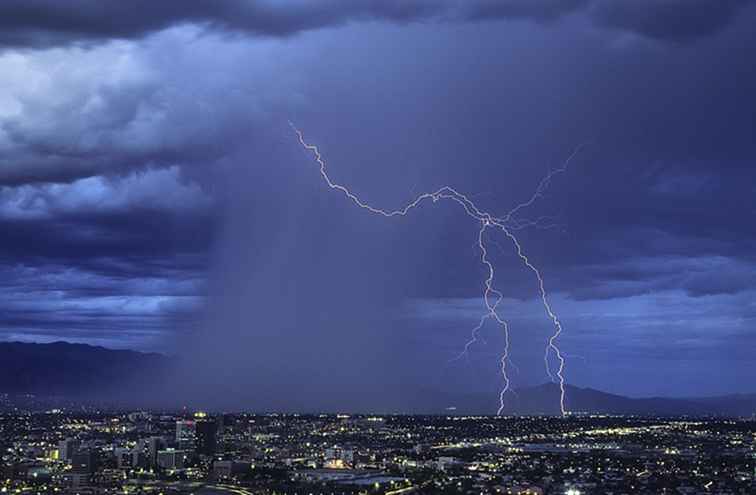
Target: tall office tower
<point>67,448</point>
<point>186,435</point>
<point>154,444</point>
<point>139,459</point>
<point>84,462</point>
<point>123,457</point>
<point>171,459</point>
<point>207,436</point>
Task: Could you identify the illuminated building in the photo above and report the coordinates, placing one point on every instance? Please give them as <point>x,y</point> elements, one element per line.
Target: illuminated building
<point>171,459</point>
<point>154,444</point>
<point>227,469</point>
<point>339,458</point>
<point>186,434</point>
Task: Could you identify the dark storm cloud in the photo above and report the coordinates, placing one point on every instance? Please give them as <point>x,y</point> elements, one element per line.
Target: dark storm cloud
<point>676,20</point>
<point>539,10</point>
<point>105,160</point>
<point>654,269</point>
<point>115,261</point>
<point>39,23</point>
<point>116,108</point>
<point>44,23</point>
<point>106,122</point>
<point>136,253</point>
<point>145,214</point>
<point>131,171</point>
<point>44,301</point>
<point>697,276</point>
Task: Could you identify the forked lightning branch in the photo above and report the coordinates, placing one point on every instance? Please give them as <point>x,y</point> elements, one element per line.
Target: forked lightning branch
<point>492,298</point>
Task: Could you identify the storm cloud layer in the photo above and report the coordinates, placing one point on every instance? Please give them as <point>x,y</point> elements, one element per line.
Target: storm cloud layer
<point>152,195</point>
<point>39,23</point>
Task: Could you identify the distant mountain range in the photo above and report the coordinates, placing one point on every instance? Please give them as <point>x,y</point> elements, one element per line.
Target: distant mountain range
<point>79,371</point>
<point>543,399</point>
<point>75,370</point>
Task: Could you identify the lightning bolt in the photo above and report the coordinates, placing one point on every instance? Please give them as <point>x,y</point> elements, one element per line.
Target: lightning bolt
<point>491,297</point>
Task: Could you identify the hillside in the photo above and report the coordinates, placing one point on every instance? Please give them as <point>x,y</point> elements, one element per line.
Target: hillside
<point>78,371</point>
<point>74,370</point>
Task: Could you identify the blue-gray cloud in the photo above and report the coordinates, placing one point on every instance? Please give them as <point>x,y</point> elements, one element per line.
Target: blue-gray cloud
<point>36,23</point>
<point>663,332</point>
<point>47,302</point>
<point>139,174</point>
<point>676,20</point>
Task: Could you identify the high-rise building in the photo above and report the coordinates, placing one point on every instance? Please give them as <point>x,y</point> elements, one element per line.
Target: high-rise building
<point>84,462</point>
<point>67,448</point>
<point>206,436</point>
<point>139,454</point>
<point>139,459</point>
<point>171,459</point>
<point>122,457</point>
<point>154,444</point>
<point>186,435</point>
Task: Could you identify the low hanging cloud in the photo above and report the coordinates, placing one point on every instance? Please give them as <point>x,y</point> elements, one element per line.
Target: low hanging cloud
<point>50,302</point>
<point>153,190</point>
<point>69,113</point>
<point>44,23</point>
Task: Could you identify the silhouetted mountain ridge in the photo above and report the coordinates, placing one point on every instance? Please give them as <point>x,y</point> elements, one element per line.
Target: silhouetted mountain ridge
<point>544,399</point>
<point>90,372</point>
<point>74,370</point>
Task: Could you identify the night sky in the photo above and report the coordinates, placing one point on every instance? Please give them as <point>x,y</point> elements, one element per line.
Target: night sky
<point>153,196</point>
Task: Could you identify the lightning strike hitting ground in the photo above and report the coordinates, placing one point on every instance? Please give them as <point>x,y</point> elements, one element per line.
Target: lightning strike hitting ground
<point>491,296</point>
